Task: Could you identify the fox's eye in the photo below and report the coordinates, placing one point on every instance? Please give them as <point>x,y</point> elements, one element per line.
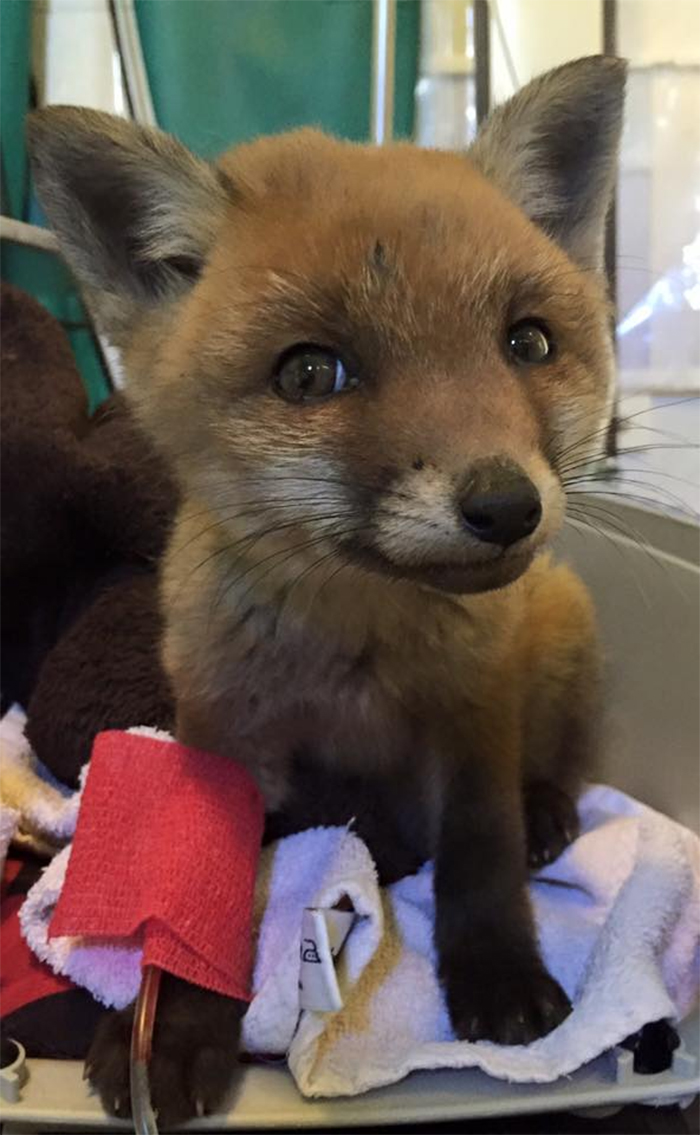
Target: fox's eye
<point>307,372</point>
<point>530,341</point>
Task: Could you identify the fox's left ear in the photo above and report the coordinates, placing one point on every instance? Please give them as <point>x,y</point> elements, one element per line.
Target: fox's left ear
<point>553,149</point>
<point>136,214</point>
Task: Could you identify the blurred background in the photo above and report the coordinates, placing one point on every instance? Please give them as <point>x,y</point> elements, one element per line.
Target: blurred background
<point>217,72</point>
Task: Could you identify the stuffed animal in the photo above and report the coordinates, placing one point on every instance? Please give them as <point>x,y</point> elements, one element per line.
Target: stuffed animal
<point>87,504</point>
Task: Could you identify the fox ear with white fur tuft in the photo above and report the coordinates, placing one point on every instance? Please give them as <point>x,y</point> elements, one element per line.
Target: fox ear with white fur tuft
<point>553,150</point>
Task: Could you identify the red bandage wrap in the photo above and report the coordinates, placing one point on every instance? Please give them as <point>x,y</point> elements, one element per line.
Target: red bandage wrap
<point>165,855</point>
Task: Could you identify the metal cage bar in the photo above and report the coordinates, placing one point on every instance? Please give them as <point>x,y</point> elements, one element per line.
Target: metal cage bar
<point>383,59</point>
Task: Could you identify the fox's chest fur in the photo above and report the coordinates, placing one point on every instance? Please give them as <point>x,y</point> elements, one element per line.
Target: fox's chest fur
<point>343,664</point>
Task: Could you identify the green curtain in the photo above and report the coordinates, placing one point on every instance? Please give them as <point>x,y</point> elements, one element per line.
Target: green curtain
<point>224,71</point>
<point>15,39</point>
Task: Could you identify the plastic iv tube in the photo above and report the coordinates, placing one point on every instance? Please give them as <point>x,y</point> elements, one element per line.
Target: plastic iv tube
<point>141,1041</point>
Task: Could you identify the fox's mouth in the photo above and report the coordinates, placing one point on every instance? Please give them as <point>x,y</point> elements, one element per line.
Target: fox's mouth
<point>457,578</point>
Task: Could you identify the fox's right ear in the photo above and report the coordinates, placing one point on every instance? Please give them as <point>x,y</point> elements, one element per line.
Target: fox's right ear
<point>134,211</point>
<point>553,149</point>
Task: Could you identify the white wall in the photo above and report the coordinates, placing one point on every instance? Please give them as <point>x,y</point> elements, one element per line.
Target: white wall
<point>659,31</point>
<point>659,197</point>
<point>530,36</point>
<point>75,59</point>
<point>445,95</point>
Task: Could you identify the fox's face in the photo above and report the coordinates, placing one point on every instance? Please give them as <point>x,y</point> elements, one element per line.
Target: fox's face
<point>392,354</point>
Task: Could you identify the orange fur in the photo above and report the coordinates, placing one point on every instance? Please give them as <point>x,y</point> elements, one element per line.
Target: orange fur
<point>457,253</point>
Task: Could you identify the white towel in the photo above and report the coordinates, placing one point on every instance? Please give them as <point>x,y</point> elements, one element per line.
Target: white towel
<point>619,923</point>
<point>618,917</point>
<point>35,810</point>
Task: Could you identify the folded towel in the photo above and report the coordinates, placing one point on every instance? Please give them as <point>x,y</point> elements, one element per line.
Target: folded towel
<point>618,917</point>
<point>619,924</point>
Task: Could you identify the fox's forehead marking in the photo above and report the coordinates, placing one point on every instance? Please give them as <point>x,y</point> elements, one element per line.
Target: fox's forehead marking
<point>378,259</point>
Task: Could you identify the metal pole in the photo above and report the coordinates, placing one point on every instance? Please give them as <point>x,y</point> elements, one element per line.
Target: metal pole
<point>126,34</point>
<point>482,59</point>
<point>383,54</point>
<point>29,235</point>
<point>610,48</point>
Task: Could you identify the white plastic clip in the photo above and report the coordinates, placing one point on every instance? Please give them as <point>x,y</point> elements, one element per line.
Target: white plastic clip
<point>323,933</point>
<point>14,1076</point>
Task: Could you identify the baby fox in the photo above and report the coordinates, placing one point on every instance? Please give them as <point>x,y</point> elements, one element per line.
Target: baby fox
<point>370,370</point>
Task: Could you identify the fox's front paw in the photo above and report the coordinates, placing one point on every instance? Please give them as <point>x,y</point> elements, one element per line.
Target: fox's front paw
<point>508,1002</point>
<point>551,823</point>
<point>194,1056</point>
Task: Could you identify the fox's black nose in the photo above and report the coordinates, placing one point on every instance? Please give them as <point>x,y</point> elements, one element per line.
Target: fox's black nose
<point>500,504</point>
